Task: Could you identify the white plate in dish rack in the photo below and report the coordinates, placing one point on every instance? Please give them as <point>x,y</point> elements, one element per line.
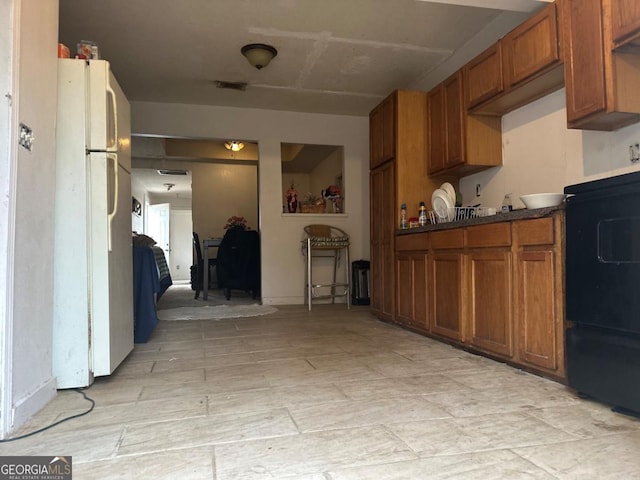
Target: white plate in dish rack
<point>451,191</point>
<point>442,205</point>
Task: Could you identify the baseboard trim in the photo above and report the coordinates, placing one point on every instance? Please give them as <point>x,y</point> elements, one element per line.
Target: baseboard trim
<point>28,406</point>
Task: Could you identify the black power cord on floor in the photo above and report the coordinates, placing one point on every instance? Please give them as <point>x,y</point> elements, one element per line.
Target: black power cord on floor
<point>93,404</point>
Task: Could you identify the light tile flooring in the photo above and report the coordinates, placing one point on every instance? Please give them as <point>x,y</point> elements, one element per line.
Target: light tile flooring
<point>327,395</point>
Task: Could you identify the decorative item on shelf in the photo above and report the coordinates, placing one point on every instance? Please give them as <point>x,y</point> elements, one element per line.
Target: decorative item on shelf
<point>292,199</point>
<point>334,194</point>
<point>236,223</point>
<point>312,204</point>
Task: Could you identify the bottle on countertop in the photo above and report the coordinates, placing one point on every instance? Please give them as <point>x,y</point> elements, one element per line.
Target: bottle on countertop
<point>403,216</point>
<point>507,206</point>
<point>422,215</point>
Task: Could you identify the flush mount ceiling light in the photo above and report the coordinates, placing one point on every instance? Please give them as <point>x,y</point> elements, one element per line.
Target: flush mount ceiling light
<point>234,145</point>
<point>259,54</point>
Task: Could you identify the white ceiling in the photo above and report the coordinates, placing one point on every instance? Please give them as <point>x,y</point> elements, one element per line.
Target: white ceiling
<point>334,56</point>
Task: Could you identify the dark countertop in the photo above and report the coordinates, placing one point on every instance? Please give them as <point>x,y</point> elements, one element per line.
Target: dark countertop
<point>520,214</point>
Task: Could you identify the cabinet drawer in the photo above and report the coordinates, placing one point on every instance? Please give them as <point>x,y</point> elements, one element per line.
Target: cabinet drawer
<point>491,235</point>
<point>415,242</point>
<point>534,232</point>
<point>447,239</point>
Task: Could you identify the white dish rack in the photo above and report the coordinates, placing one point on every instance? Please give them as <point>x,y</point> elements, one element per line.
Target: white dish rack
<point>455,214</point>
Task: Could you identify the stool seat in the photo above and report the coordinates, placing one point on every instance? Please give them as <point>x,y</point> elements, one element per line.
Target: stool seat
<point>326,241</point>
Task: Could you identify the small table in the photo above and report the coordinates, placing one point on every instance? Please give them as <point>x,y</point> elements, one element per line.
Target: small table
<point>211,242</point>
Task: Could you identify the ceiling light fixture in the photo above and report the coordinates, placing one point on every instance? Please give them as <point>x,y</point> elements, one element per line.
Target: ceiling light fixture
<point>259,54</point>
<point>234,145</point>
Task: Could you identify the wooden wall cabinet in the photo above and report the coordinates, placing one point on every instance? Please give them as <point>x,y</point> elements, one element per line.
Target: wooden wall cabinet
<point>484,76</point>
<point>411,285</point>
<point>625,22</point>
<point>382,134</point>
<point>601,84</point>
<point>399,176</point>
<point>459,143</point>
<point>523,66</point>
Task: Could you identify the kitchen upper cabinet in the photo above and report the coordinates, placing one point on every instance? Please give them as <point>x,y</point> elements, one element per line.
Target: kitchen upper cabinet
<point>532,48</point>
<point>484,76</point>
<point>459,143</point>
<point>382,224</point>
<point>523,66</point>
<point>382,135</point>
<point>411,285</point>
<point>625,22</point>
<point>601,84</point>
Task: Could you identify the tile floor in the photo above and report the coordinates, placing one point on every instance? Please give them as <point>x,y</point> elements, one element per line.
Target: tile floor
<point>327,395</point>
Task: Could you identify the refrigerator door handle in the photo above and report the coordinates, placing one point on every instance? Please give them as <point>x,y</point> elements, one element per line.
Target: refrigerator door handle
<point>112,159</point>
<point>113,121</point>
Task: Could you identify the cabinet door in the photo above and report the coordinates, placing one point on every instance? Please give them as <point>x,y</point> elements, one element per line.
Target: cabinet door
<point>436,129</point>
<point>454,121</point>
<point>411,288</point>
<point>389,129</point>
<point>531,48</point>
<point>382,228</point>
<point>490,301</point>
<point>445,281</point>
<point>375,137</point>
<point>625,20</point>
<point>584,66</point>
<point>535,309</point>
<point>382,133</point>
<point>483,76</point>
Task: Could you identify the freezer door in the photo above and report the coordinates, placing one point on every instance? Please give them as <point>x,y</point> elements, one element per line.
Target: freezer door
<point>111,265</point>
<point>109,114</point>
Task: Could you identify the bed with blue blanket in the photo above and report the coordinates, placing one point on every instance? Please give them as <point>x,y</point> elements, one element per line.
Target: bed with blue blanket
<point>151,278</point>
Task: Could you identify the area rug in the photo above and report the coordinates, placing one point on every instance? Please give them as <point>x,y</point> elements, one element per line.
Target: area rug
<point>218,312</point>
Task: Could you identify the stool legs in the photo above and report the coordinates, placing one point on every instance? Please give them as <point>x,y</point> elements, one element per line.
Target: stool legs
<point>333,285</point>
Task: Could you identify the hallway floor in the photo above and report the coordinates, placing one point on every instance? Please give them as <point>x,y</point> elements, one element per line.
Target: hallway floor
<point>327,395</point>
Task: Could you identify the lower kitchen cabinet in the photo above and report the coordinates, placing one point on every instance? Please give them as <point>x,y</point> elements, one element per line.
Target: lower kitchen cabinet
<point>411,298</point>
<point>445,285</point>
<point>490,288</point>
<point>495,288</point>
<point>539,309</point>
<point>411,281</point>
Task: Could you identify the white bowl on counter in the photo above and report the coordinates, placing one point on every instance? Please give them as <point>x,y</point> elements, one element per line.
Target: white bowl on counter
<point>542,200</point>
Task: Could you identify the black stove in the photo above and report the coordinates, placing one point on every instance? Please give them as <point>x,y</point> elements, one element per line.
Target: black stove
<point>603,289</point>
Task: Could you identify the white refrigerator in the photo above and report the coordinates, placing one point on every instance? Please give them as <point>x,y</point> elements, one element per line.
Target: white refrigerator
<point>93,272</point>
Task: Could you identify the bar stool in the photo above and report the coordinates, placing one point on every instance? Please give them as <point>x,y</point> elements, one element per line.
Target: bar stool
<point>326,241</point>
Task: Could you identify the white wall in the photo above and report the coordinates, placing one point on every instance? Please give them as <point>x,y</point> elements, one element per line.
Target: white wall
<point>540,154</point>
<point>282,261</point>
<point>31,81</point>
